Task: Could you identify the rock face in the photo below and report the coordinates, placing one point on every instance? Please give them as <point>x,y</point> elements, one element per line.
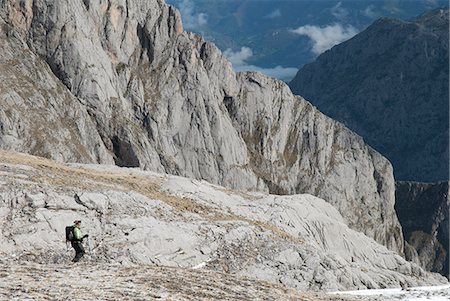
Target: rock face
<point>423,211</point>
<point>37,112</point>
<point>138,217</point>
<point>141,92</point>
<point>390,85</point>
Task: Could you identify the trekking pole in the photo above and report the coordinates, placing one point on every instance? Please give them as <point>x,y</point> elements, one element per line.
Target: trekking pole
<point>89,247</point>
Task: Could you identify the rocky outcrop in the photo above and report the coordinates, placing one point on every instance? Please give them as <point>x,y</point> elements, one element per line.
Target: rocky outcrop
<point>423,211</point>
<point>167,101</point>
<point>138,217</point>
<point>390,84</point>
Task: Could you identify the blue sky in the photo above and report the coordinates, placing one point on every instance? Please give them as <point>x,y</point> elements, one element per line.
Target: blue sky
<point>277,37</point>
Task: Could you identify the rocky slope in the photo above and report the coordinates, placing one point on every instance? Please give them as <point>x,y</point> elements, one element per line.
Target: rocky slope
<point>138,217</point>
<point>115,282</point>
<point>423,210</point>
<point>390,84</point>
<point>137,90</point>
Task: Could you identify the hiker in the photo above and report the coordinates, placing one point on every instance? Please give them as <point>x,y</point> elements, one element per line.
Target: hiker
<point>77,241</point>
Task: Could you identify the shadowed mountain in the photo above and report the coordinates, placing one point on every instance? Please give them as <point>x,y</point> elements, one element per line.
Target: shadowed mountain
<point>423,211</point>
<point>390,84</point>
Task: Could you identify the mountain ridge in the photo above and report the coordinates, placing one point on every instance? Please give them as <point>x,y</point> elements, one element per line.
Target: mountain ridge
<point>390,85</point>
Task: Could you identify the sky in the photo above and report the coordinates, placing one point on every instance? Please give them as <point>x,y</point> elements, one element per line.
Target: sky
<point>277,37</point>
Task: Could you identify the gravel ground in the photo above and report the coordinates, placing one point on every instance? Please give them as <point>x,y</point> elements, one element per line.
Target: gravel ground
<point>85,281</point>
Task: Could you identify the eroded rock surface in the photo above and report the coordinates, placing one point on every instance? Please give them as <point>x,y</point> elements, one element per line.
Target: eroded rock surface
<point>138,217</point>
<point>37,113</point>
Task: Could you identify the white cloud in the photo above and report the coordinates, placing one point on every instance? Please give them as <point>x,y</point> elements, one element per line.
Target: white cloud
<point>238,58</point>
<point>339,12</point>
<point>392,7</point>
<point>370,12</point>
<point>324,38</point>
<point>274,14</point>
<point>191,20</point>
<point>239,61</point>
<point>283,73</point>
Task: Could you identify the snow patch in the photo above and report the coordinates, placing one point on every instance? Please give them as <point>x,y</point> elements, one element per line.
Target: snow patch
<point>429,293</point>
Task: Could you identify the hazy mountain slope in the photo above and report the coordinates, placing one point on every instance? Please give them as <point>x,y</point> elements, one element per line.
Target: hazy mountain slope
<point>168,101</point>
<point>138,217</point>
<point>390,85</point>
<point>423,210</point>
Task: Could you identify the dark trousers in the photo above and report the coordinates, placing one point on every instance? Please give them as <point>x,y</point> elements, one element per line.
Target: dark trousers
<point>78,249</point>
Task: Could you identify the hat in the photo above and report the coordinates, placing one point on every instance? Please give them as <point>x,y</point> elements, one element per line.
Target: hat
<point>77,222</point>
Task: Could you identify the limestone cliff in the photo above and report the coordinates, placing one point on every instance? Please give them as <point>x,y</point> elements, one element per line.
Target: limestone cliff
<point>140,91</point>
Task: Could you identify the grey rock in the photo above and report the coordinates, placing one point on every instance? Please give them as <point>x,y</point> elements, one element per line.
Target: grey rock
<point>156,97</point>
<point>136,217</point>
<point>294,148</point>
<point>37,113</point>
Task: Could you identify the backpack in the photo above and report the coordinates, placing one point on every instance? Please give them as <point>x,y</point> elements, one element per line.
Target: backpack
<point>69,233</point>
